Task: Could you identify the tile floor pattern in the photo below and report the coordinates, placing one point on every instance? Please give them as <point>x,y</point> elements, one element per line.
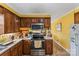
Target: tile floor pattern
<point>58,51</point>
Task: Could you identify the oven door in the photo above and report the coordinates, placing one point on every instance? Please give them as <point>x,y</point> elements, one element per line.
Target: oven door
<point>37,44</point>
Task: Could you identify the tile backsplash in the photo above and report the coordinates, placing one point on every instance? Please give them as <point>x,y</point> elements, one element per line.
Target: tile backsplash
<point>7,37</point>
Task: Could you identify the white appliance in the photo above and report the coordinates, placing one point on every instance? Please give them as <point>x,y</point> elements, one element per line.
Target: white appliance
<point>74,40</point>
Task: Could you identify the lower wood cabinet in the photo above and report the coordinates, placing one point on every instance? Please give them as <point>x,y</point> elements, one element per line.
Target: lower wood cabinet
<point>49,47</point>
<point>6,53</point>
<point>24,48</point>
<point>27,47</point>
<point>14,51</point>
<point>20,48</point>
<point>17,49</point>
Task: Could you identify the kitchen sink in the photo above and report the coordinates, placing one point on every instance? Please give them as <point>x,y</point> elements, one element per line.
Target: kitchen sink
<point>2,47</point>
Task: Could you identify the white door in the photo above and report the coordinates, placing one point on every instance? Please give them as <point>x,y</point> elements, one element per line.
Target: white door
<point>74,40</point>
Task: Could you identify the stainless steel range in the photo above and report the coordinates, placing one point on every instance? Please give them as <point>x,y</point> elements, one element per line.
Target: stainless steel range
<point>38,47</point>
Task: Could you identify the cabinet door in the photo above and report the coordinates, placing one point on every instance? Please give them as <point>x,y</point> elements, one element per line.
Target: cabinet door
<point>20,48</point>
<point>1,10</point>
<point>7,53</point>
<point>76,18</point>
<point>49,47</point>
<point>47,23</point>
<point>9,22</point>
<point>14,51</point>
<point>27,49</point>
<point>17,23</point>
<point>25,22</point>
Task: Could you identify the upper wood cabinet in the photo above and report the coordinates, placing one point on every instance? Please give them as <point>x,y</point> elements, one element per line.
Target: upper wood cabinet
<point>1,10</point>
<point>76,18</point>
<point>47,23</point>
<point>9,22</point>
<point>17,23</point>
<point>28,21</point>
<point>25,22</point>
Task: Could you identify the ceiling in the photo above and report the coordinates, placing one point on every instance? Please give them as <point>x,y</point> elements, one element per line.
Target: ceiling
<point>54,9</point>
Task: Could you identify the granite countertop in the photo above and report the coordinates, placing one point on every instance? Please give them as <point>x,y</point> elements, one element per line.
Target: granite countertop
<point>15,42</point>
<point>10,45</point>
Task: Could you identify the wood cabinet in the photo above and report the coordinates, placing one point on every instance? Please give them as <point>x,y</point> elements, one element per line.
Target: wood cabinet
<point>1,10</point>
<point>9,22</point>
<point>47,23</point>
<point>17,49</point>
<point>27,47</point>
<point>76,18</point>
<point>28,21</point>
<point>17,23</point>
<point>6,53</point>
<point>14,51</point>
<point>25,22</point>
<point>49,47</point>
<point>20,48</point>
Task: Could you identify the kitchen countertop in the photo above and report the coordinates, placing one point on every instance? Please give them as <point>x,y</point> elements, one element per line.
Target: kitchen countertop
<point>10,45</point>
<point>26,38</point>
<point>17,41</point>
